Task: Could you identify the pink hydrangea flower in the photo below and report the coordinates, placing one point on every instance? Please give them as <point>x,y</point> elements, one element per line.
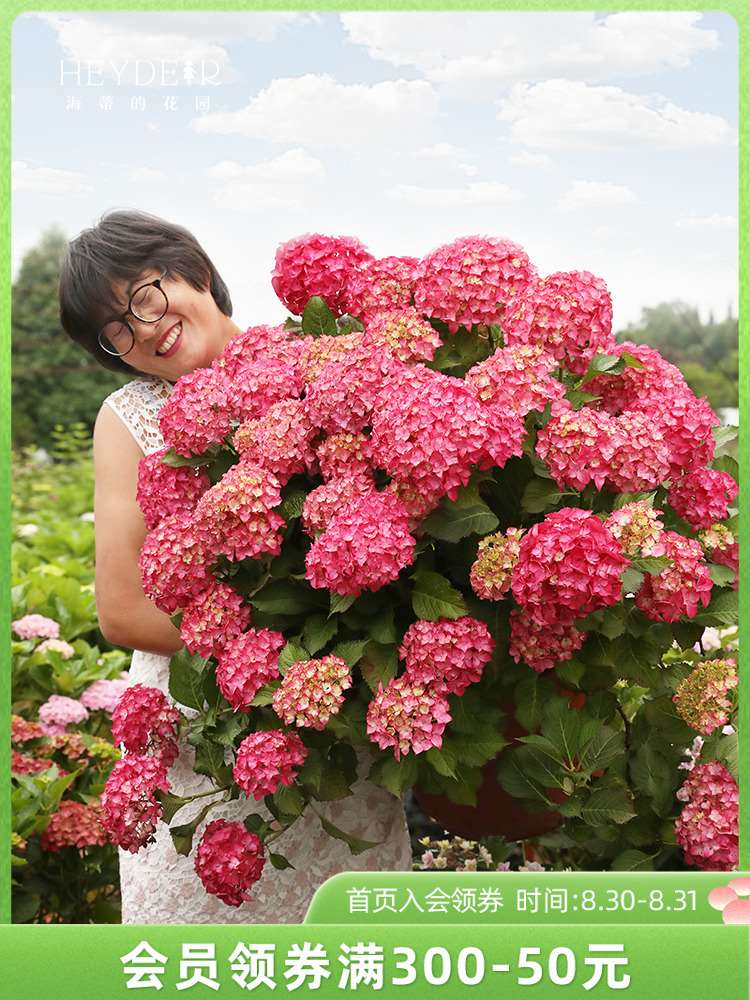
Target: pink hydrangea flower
<point>708,826</point>
<point>22,763</point>
<point>280,440</point>
<point>517,379</point>
<point>60,646</point>
<point>347,391</point>
<point>74,824</point>
<point>408,716</point>
<point>258,385</point>
<point>722,547</point>
<point>58,711</point>
<point>447,654</point>
<point>542,645</point>
<point>317,265</point>
<point>641,458</point>
<point>21,730</point>
<point>702,496</point>
<point>246,664</point>
<point>229,861</point>
<point>703,698</point>
<point>470,280</point>
<point>238,512</point>
<point>637,527</point>
<point>418,502</point>
<point>637,388</point>
<point>687,425</point>
<point>577,446</point>
<point>36,627</point>
<point>197,413</point>
<point>491,571</point>
<point>130,809</point>
<point>680,589</point>
<point>365,546</point>
<point>266,760</point>
<point>404,333</point>
<point>145,723</point>
<point>103,695</point>
<point>343,454</point>
<point>380,285</point>
<point>215,617</point>
<point>312,691</point>
<point>322,503</point>
<point>174,562</point>
<point>320,351</point>
<point>260,343</point>
<point>568,562</point>
<point>568,313</point>
<point>163,490</point>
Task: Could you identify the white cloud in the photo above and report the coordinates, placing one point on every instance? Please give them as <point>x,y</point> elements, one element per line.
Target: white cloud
<point>474,194</point>
<point>528,159</point>
<point>282,182</point>
<point>118,40</point>
<point>454,47</point>
<point>47,180</point>
<point>566,114</point>
<point>714,221</point>
<point>320,111</point>
<point>595,194</point>
<point>440,151</point>
<point>468,169</point>
<point>143,174</point>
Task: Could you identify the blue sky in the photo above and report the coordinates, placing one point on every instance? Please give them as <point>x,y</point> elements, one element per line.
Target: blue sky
<point>604,142</point>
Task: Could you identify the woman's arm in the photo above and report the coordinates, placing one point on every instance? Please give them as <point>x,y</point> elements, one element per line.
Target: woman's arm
<point>126,616</point>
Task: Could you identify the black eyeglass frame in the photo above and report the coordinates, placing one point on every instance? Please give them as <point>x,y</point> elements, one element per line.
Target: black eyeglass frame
<point>129,312</point>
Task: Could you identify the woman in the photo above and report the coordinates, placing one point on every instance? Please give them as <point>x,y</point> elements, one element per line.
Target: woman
<point>142,296</point>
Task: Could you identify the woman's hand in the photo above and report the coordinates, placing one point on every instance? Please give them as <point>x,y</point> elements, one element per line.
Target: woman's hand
<point>126,616</point>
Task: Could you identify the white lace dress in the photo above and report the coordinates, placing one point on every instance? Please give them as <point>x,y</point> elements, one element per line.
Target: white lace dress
<point>160,886</point>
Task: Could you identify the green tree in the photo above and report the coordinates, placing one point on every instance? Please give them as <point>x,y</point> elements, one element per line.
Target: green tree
<point>54,381</point>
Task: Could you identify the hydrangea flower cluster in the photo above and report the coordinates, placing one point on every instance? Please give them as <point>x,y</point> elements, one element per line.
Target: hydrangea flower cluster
<point>378,286</point>
<point>577,446</point>
<point>257,343</point>
<point>344,454</point>
<point>312,691</point>
<point>681,588</point>
<point>279,441</point>
<point>248,663</point>
<point>708,826</point>
<point>516,379</point>
<point>174,562</point>
<point>364,546</point>
<point>74,824</point>
<point>23,731</point>
<point>238,512</point>
<point>229,861</point>
<point>197,413</point>
<point>266,760</point>
<point>497,554</point>
<point>102,695</point>
<point>471,280</point>
<point>322,503</point>
<point>722,547</point>
<point>163,490</point>
<point>403,332</point>
<point>58,711</point>
<point>703,698</point>
<point>408,716</point>
<point>214,618</point>
<point>130,808</point>
<point>447,654</point>
<point>637,527</point>
<point>702,496</point>
<point>36,627</point>
<point>317,265</point>
<point>66,651</point>
<point>541,645</point>
<point>145,723</point>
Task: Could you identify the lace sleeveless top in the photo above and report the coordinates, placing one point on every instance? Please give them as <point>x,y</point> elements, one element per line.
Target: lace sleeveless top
<point>159,886</point>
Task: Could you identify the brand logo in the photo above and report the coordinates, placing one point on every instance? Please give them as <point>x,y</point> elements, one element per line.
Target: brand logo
<point>140,73</point>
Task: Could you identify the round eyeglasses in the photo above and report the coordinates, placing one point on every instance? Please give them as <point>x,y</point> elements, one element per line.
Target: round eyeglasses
<point>147,304</point>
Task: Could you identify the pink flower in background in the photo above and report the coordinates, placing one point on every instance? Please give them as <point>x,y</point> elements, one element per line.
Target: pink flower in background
<point>163,490</point>
<point>21,763</point>
<point>74,825</point>
<point>577,446</point>
<point>680,589</point>
<point>60,646</point>
<point>266,760</point>
<point>703,698</point>
<point>637,527</point>
<point>21,730</point>
<point>146,723</point>
<point>36,627</point>
<point>317,265</point>
<point>447,654</point>
<point>246,664</point>
<point>722,547</point>
<point>702,496</point>
<point>569,562</point>
<point>408,716</point>
<point>130,809</point>
<point>58,711</point>
<point>279,441</point>
<point>380,285</point>
<point>215,617</point>
<point>404,333</point>
<point>103,695</point>
<point>708,826</point>
<point>174,562</point>
<point>497,554</point>
<point>471,280</point>
<point>516,379</point>
<point>238,513</point>
<point>197,413</point>
<point>364,546</point>
<point>542,645</point>
<point>312,691</point>
<point>229,861</point>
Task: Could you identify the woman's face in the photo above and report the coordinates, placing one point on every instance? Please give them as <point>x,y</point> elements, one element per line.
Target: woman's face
<point>190,335</point>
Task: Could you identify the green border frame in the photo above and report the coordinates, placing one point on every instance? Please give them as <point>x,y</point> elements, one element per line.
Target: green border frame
<point>738,9</point>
